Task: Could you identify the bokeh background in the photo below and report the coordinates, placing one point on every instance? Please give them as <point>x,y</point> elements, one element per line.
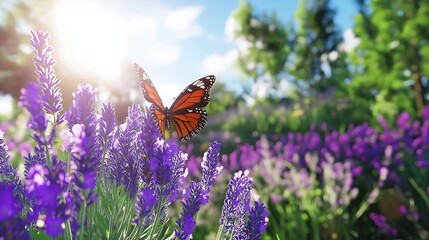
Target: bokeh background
<point>323,101</point>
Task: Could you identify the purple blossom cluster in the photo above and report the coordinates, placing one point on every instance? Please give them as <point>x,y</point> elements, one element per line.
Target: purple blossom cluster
<point>51,202</point>
<point>45,191</point>
<point>236,210</point>
<point>197,193</point>
<point>11,192</point>
<point>84,148</point>
<point>61,184</point>
<point>12,226</point>
<point>8,175</point>
<point>364,148</point>
<point>48,81</point>
<point>31,100</point>
<point>342,172</point>
<point>43,99</point>
<point>381,222</point>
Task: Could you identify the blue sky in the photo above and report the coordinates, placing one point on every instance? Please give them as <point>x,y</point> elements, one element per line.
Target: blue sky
<point>176,42</point>
<point>208,51</point>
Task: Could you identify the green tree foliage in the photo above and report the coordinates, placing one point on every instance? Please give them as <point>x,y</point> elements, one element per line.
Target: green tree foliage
<point>306,52</point>
<point>17,18</point>
<point>12,58</point>
<point>222,99</point>
<point>264,44</point>
<point>390,63</point>
<point>317,63</point>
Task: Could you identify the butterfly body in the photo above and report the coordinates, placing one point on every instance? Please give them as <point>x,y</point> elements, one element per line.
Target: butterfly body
<point>186,113</point>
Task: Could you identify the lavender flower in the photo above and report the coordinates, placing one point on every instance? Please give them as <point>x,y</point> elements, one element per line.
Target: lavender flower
<point>162,168</point>
<point>145,203</point>
<point>298,182</point>
<point>122,161</point>
<point>197,194</point>
<point>381,222</point>
<point>85,150</point>
<point>258,219</point>
<point>82,109</point>
<point>31,100</point>
<point>192,201</point>
<point>236,205</point>
<point>47,190</point>
<point>11,224</point>
<point>14,228</point>
<point>11,205</point>
<point>178,175</point>
<point>167,170</point>
<point>48,81</point>
<point>114,165</point>
<point>38,157</point>
<point>146,141</point>
<point>161,164</point>
<point>8,175</point>
<point>338,183</point>
<point>106,135</point>
<point>211,168</point>
<point>107,125</point>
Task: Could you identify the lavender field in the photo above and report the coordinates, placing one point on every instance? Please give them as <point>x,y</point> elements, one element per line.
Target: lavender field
<point>306,124</point>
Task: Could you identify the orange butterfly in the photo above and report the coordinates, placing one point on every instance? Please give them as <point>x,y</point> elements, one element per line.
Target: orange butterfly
<point>186,113</point>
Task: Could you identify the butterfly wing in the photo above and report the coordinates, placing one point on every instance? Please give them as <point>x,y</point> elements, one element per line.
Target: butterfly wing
<point>159,117</point>
<point>157,108</point>
<point>189,122</point>
<point>149,90</point>
<point>196,95</point>
<point>187,114</point>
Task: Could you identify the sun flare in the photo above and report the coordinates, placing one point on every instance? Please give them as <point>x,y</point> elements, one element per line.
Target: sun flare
<point>91,37</point>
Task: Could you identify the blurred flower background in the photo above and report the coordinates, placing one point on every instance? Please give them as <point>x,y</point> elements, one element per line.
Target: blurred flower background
<point>320,108</point>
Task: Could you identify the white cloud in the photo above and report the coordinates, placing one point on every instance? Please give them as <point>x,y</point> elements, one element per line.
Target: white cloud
<point>350,40</point>
<point>182,21</point>
<point>161,54</point>
<point>231,27</point>
<point>220,64</point>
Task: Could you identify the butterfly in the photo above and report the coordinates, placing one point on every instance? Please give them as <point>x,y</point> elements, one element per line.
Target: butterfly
<point>186,112</point>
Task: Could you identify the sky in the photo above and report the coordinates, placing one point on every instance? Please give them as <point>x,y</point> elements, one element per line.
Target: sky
<point>176,42</point>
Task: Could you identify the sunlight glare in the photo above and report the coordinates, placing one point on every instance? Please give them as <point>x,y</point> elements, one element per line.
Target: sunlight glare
<point>91,37</point>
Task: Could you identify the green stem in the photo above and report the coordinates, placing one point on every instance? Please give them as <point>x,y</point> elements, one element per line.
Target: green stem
<point>102,163</point>
<point>82,216</point>
<point>48,156</point>
<point>157,217</point>
<point>68,233</point>
<point>315,226</point>
<point>363,207</point>
<point>220,233</point>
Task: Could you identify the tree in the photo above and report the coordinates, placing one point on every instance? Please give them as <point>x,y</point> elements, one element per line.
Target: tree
<point>317,64</point>
<point>309,54</point>
<point>263,46</point>
<point>15,64</point>
<point>222,99</point>
<point>390,63</point>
